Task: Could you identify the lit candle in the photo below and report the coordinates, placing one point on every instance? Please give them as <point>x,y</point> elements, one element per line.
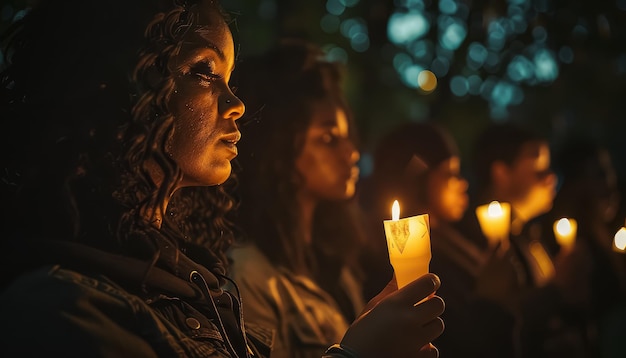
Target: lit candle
<point>619,242</point>
<point>495,221</point>
<point>408,243</point>
<point>565,232</point>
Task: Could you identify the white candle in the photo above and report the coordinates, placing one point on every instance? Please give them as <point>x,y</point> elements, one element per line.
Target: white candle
<point>619,242</point>
<point>565,232</point>
<point>408,243</point>
<point>495,221</point>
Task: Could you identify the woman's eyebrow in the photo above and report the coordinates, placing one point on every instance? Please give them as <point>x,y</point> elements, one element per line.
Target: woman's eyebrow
<point>205,33</point>
<point>209,45</point>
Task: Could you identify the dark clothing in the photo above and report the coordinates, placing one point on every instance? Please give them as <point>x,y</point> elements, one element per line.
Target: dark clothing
<point>472,322</point>
<point>93,303</point>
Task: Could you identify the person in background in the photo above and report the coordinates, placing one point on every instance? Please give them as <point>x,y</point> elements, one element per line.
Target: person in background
<point>588,193</point>
<point>419,165</point>
<point>301,235</point>
<point>511,164</point>
<point>112,114</point>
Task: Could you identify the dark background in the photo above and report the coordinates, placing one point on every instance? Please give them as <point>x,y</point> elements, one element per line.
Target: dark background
<point>587,97</point>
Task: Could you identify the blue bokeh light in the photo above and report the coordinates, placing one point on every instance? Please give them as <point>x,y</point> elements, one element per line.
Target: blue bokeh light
<point>546,67</point>
<point>459,86</point>
<point>410,75</point>
<point>448,7</point>
<point>520,69</point>
<point>335,7</point>
<point>360,42</point>
<point>453,35</point>
<point>403,28</point>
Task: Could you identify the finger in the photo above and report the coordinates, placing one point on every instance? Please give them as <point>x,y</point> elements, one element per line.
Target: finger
<point>432,307</point>
<point>433,329</point>
<point>428,351</point>
<point>416,290</point>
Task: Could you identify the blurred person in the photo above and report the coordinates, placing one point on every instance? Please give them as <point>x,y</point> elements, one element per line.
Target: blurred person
<point>300,233</point>
<point>588,193</point>
<point>114,117</point>
<point>419,164</point>
<point>512,164</point>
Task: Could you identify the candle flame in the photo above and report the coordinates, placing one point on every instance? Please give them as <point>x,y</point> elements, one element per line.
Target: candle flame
<point>620,239</point>
<point>395,211</point>
<point>563,226</point>
<point>494,209</point>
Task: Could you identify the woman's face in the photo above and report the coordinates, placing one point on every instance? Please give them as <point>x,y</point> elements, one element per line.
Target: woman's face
<point>205,109</point>
<point>328,159</point>
<point>447,191</point>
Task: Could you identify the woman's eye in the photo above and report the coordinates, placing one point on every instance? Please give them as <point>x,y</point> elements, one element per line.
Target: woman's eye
<point>204,73</point>
<point>329,138</point>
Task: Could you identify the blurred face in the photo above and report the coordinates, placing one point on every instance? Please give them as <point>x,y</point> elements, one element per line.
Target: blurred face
<point>328,159</point>
<point>531,183</point>
<point>447,191</point>
<point>205,109</point>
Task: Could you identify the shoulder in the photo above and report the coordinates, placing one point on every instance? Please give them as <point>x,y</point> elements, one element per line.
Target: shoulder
<point>81,314</point>
<point>52,284</point>
<point>247,261</point>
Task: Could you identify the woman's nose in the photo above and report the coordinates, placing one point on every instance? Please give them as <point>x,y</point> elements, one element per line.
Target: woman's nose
<point>354,154</point>
<point>231,107</point>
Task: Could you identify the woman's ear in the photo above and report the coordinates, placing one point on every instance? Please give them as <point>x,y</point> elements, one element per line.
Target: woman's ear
<point>499,174</point>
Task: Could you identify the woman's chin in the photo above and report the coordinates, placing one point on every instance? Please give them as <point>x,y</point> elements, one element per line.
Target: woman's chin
<point>217,176</point>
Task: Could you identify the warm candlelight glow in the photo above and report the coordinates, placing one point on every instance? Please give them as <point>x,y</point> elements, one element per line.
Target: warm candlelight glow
<point>495,222</point>
<point>408,243</point>
<point>395,211</point>
<point>563,226</point>
<point>494,210</point>
<point>565,232</point>
<point>619,242</point>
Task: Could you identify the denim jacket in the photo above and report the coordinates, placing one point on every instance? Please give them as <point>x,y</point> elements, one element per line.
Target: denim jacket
<point>90,304</point>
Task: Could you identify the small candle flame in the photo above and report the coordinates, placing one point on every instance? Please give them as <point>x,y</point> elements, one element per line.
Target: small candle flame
<point>620,239</point>
<point>494,209</point>
<point>563,226</point>
<point>395,211</point>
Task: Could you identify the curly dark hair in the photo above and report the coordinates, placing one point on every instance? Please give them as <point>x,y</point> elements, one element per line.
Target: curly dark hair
<point>86,86</point>
<point>281,88</point>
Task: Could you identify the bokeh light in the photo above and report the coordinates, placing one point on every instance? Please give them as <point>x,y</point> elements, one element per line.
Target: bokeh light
<point>427,81</point>
<point>403,28</point>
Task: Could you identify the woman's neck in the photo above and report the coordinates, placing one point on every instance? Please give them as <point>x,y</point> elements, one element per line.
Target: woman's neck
<point>154,212</point>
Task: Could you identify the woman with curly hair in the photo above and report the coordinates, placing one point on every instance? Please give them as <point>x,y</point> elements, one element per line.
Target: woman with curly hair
<point>120,126</point>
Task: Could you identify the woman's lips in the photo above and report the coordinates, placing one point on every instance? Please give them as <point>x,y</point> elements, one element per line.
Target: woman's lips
<point>230,141</point>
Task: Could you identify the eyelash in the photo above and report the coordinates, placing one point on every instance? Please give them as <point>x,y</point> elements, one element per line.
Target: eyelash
<point>204,72</point>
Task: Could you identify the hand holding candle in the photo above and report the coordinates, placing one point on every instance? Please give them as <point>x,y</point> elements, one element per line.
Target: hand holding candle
<point>495,222</point>
<point>565,232</point>
<point>408,243</point>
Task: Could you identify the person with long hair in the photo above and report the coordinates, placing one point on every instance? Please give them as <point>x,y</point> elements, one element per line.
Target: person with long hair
<point>119,131</point>
<point>300,229</point>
